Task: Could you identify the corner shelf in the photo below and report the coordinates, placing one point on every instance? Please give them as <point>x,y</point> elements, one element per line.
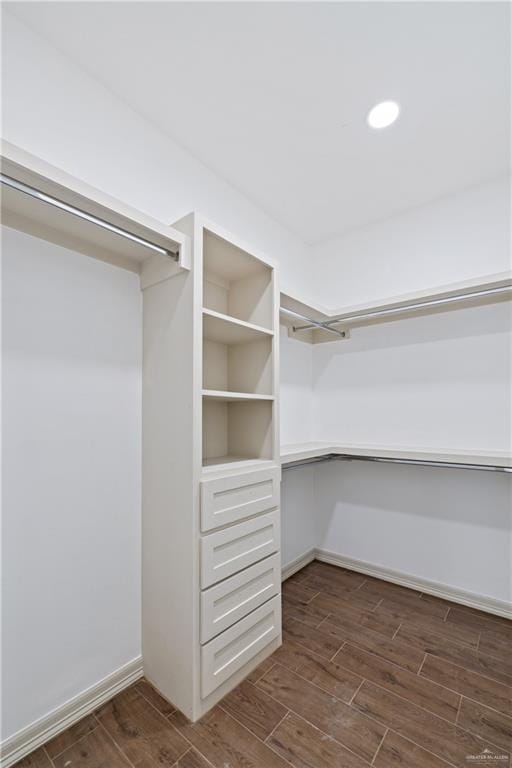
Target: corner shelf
<point>307,452</point>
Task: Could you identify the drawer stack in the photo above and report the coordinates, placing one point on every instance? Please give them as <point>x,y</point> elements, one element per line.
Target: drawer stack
<point>240,604</point>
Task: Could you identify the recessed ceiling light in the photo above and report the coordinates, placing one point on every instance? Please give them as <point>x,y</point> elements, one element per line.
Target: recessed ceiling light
<point>383,114</point>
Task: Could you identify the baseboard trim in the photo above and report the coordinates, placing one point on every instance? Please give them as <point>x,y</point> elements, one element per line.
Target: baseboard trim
<point>22,743</point>
<point>455,594</point>
<point>296,565</point>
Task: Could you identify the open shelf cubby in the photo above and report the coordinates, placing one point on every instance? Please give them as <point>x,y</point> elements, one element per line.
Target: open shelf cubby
<point>236,431</point>
<point>244,367</point>
<point>235,283</point>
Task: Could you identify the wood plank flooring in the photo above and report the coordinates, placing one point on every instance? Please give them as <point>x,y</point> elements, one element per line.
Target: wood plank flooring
<point>369,674</point>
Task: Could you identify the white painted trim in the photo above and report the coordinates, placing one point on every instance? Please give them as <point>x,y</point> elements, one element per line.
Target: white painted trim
<point>39,732</point>
<point>300,562</point>
<point>447,592</point>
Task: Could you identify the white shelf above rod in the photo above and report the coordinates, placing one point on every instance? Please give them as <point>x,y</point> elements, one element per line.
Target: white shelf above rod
<point>351,317</point>
<point>72,210</point>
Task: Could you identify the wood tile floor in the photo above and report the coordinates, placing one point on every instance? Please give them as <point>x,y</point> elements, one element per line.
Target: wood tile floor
<point>369,674</point>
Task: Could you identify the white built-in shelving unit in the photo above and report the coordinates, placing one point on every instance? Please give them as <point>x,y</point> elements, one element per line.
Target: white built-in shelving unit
<point>211,472</point>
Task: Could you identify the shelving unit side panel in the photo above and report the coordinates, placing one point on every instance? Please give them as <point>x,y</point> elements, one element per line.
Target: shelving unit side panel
<point>192,225</point>
<point>276,440</point>
<point>169,591</point>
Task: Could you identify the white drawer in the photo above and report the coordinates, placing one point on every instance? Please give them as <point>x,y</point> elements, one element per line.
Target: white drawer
<point>227,653</point>
<point>232,599</point>
<point>226,552</point>
<point>226,500</point>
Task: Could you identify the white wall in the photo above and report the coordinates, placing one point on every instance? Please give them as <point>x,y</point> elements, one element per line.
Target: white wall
<point>455,238</point>
<point>300,519</point>
<point>296,380</point>
<point>442,381</point>
<point>71,474</point>
<point>299,524</point>
<point>452,526</point>
<point>407,384</point>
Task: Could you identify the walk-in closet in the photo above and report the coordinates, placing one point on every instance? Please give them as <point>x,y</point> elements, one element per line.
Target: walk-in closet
<point>256,385</point>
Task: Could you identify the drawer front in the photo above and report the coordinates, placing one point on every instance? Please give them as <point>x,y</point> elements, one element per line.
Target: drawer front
<point>226,500</point>
<point>226,552</point>
<point>232,599</point>
<point>227,653</point>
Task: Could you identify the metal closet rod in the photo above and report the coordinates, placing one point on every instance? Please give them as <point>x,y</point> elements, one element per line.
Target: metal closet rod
<point>384,460</point>
<point>313,323</point>
<point>442,301</point>
<point>44,198</point>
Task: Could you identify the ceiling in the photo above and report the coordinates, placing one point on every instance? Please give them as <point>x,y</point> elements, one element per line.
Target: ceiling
<point>273,96</point>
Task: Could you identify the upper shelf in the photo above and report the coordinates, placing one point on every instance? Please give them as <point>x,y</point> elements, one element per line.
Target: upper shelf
<point>301,452</point>
<point>491,288</point>
<point>46,202</point>
<point>230,330</point>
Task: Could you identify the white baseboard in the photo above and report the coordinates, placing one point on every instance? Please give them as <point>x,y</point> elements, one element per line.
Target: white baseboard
<point>455,594</point>
<point>34,735</point>
<point>296,565</point>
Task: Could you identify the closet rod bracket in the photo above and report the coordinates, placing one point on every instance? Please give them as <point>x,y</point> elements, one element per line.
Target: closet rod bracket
<point>295,332</point>
<point>313,324</point>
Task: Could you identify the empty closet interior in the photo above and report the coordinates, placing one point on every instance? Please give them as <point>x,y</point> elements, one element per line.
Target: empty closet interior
<point>290,362</point>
